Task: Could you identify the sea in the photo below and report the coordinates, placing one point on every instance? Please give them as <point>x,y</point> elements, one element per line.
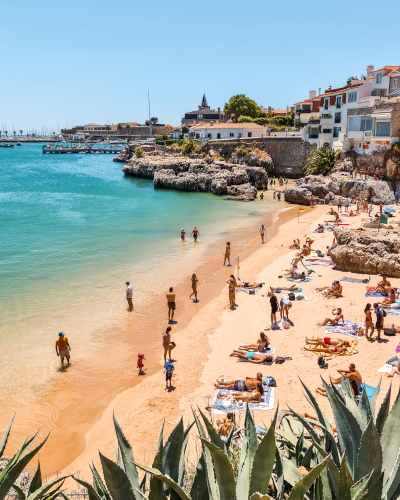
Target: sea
<point>73,229</point>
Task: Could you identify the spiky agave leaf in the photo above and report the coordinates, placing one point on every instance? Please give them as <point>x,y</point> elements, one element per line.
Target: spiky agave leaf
<point>383,412</point>
<point>98,484</point>
<point>333,472</point>
<point>116,479</point>
<point>369,455</point>
<point>199,489</point>
<point>4,439</point>
<point>214,436</point>
<point>181,472</point>
<point>156,486</point>
<point>223,472</point>
<point>307,481</point>
<point>20,493</point>
<point>358,489</point>
<point>372,403</point>
<point>165,479</point>
<point>92,493</point>
<point>45,489</point>
<point>247,453</point>
<point>36,482</point>
<point>390,440</point>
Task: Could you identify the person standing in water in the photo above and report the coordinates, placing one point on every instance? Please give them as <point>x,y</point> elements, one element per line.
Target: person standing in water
<point>194,288</point>
<point>227,254</point>
<point>262,232</point>
<point>63,348</point>
<point>129,294</point>
<point>195,233</point>
<point>183,234</point>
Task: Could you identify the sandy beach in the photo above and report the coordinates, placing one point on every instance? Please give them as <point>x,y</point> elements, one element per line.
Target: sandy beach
<point>211,334</point>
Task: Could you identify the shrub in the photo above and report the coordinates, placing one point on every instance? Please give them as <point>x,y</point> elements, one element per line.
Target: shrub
<point>322,161</point>
<point>139,153</point>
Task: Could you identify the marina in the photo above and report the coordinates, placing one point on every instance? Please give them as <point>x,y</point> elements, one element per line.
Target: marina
<point>59,149</point>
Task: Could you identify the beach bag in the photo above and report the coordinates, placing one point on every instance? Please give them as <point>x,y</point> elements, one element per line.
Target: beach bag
<point>269,381</point>
<point>286,324</point>
<point>389,332</point>
<point>384,314</point>
<point>279,360</point>
<point>292,296</point>
<point>252,292</point>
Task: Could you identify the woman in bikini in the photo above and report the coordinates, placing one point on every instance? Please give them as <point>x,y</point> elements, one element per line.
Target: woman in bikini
<point>329,349</point>
<point>247,397</point>
<point>382,288</point>
<point>388,301</point>
<point>227,254</point>
<point>327,341</point>
<point>262,232</point>
<point>296,245</point>
<point>183,234</point>
<point>335,321</point>
<point>194,287</point>
<point>335,292</point>
<point>369,324</point>
<point>292,288</point>
<point>166,343</point>
<point>262,343</point>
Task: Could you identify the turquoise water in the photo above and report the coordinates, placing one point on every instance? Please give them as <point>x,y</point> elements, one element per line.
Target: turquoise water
<point>73,229</point>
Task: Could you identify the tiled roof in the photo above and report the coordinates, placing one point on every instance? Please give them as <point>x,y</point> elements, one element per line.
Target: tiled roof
<point>341,89</point>
<point>391,69</point>
<point>201,126</point>
<point>307,101</point>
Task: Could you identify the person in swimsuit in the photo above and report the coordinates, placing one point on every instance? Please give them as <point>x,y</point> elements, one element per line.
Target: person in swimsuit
<point>274,307</point>
<point>261,196</point>
<point>195,233</point>
<point>352,375</point>
<point>227,254</point>
<point>284,305</point>
<point>369,324</point>
<point>171,304</point>
<point>140,364</point>
<point>166,343</point>
<point>232,291</point>
<point>169,369</point>
<point>194,287</point>
<point>335,321</point>
<point>382,288</point>
<point>292,288</point>
<point>329,349</point>
<point>335,292</point>
<point>327,341</point>
<point>226,426</point>
<point>296,245</point>
<point>262,232</point>
<point>247,397</point>
<point>248,384</point>
<point>262,343</point>
<point>252,356</point>
<point>183,234</point>
<point>309,241</point>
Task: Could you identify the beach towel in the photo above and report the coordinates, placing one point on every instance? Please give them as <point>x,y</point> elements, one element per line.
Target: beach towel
<point>319,260</point>
<point>349,328</point>
<point>271,350</point>
<point>318,263</point>
<point>300,296</point>
<point>250,291</point>
<point>298,280</point>
<point>221,406</point>
<point>350,350</point>
<point>369,288</point>
<point>387,369</point>
<point>392,312</point>
<point>355,280</point>
<point>368,389</point>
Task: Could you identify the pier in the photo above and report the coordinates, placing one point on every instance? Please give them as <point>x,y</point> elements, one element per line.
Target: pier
<point>56,149</point>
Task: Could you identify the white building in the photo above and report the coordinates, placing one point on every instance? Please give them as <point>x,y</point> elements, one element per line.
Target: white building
<point>229,130</point>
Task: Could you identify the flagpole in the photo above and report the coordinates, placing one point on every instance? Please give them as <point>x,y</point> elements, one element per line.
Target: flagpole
<point>238,267</point>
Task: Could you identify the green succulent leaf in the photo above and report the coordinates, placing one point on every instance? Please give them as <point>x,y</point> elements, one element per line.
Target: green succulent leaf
<point>223,471</point>
<point>365,409</point>
<point>291,473</point>
<point>358,489</point>
<point>43,490</point>
<point>157,486</point>
<point>98,484</point>
<point>307,481</point>
<point>181,471</point>
<point>214,436</point>
<point>92,493</point>
<point>165,479</point>
<point>390,439</point>
<point>4,439</point>
<point>383,412</point>
<point>229,438</point>
<point>345,480</point>
<point>369,456</point>
<point>20,492</point>
<point>36,482</point>
<point>299,448</point>
<point>333,472</point>
<point>172,453</point>
<point>117,481</point>
<point>372,403</point>
<point>393,481</point>
<point>374,490</point>
<point>199,489</point>
<point>308,426</point>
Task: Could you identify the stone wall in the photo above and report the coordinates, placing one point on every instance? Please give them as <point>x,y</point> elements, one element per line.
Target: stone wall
<point>286,152</point>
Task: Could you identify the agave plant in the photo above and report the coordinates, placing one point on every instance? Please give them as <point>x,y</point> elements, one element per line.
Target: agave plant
<point>365,459</point>
<point>15,467</point>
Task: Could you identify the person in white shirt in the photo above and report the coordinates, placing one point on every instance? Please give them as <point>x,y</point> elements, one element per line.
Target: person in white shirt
<point>129,294</point>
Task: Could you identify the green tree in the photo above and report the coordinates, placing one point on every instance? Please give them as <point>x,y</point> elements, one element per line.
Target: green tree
<point>185,129</point>
<point>164,137</point>
<point>351,78</point>
<point>240,105</point>
<point>322,161</point>
<point>119,127</point>
<point>243,119</point>
<point>154,120</point>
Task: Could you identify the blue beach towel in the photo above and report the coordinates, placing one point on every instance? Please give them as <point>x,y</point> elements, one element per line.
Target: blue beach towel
<point>368,389</point>
<point>298,280</point>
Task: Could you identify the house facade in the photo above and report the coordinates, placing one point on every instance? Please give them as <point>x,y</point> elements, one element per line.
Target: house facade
<point>220,131</point>
<point>204,114</point>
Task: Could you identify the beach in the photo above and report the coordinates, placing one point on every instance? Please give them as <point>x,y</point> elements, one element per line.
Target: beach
<point>204,345</point>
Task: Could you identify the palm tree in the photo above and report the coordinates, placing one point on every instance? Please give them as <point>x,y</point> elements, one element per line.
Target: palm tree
<point>322,161</point>
<point>21,132</point>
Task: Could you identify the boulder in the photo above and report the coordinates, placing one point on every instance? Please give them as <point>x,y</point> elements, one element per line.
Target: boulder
<point>367,252</point>
<point>244,192</point>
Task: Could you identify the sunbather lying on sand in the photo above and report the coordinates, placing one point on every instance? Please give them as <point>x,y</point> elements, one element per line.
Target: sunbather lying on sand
<point>320,229</point>
<point>292,288</point>
<point>247,397</point>
<point>338,316</point>
<point>262,342</point>
<point>329,349</point>
<point>382,288</point>
<point>395,370</point>
<point>327,341</point>
<point>240,385</point>
<point>296,274</point>
<point>296,244</point>
<point>388,301</point>
<point>251,284</point>
<point>252,356</point>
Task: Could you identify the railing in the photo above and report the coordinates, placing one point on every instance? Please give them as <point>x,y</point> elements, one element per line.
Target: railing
<point>314,121</point>
<point>326,116</point>
<point>313,136</point>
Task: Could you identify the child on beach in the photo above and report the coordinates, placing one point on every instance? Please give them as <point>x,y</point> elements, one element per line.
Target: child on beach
<point>140,364</point>
<point>169,368</point>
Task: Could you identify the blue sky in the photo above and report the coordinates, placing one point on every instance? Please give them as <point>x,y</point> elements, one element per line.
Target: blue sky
<point>93,61</point>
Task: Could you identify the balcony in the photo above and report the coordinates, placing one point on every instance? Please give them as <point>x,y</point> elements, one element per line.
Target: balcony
<point>326,119</point>
<point>313,136</point>
<point>314,120</point>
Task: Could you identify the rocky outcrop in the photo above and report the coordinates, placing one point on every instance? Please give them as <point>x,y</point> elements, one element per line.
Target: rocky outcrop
<point>128,152</point>
<point>244,192</point>
<point>367,252</point>
<point>329,189</point>
<point>187,174</point>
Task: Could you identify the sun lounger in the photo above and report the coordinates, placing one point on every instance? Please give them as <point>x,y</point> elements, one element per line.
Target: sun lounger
<point>223,406</point>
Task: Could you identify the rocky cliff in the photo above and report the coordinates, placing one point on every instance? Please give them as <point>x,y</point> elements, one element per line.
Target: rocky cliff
<point>331,188</point>
<point>187,174</point>
<point>127,153</point>
<point>369,252</point>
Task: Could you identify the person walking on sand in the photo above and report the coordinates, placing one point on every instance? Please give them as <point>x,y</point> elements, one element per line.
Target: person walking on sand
<point>194,288</point>
<point>63,348</point>
<point>232,291</point>
<point>129,294</point>
<point>169,370</point>
<point>195,233</point>
<point>380,314</point>
<point>339,205</point>
<point>227,254</point>
<point>369,325</point>
<point>166,343</point>
<point>140,364</point>
<point>312,200</point>
<point>171,304</point>
<point>183,234</point>
<point>262,232</point>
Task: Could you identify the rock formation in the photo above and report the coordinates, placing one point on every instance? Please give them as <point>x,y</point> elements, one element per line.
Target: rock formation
<point>329,189</point>
<point>187,174</point>
<point>369,252</point>
<point>128,152</point>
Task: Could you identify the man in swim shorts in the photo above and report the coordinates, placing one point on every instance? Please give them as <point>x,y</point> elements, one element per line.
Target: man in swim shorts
<point>253,357</point>
<point>240,385</point>
<point>129,294</point>
<point>171,304</point>
<point>63,348</point>
<point>195,233</point>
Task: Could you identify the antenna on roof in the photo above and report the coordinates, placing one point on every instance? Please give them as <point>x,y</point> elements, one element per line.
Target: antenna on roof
<point>148,96</point>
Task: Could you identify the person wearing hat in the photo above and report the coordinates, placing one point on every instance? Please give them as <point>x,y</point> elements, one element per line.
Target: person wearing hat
<point>129,294</point>
<point>62,347</point>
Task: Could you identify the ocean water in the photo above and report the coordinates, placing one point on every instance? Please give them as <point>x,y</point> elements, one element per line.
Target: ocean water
<point>73,229</point>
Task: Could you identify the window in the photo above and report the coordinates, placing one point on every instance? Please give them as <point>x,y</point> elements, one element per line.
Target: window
<point>218,136</point>
<point>199,117</point>
<point>360,123</point>
<point>336,131</point>
<point>338,101</point>
<point>379,78</point>
<point>378,92</point>
<point>326,102</point>
<point>326,130</point>
<point>353,97</point>
<point>394,83</point>
<point>382,129</point>
<point>231,134</point>
<point>313,133</point>
<point>338,117</point>
<point>248,134</point>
